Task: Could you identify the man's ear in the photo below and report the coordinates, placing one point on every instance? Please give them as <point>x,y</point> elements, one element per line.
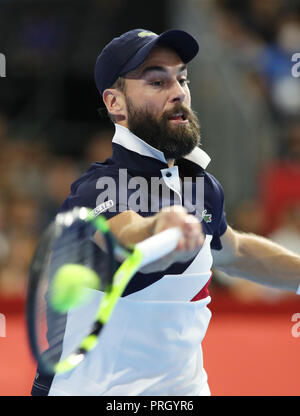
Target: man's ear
<point>114,101</point>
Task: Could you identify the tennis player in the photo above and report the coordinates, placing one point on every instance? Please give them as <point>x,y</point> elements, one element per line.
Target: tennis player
<point>156,179</point>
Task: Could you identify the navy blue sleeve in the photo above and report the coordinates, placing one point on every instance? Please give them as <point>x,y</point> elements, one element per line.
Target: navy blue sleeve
<point>221,224</point>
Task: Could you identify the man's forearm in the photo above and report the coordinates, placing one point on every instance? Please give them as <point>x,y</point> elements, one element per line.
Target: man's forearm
<point>131,228</point>
<point>263,261</point>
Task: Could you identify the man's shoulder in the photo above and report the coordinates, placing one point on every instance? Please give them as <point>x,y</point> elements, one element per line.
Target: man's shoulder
<point>90,177</point>
<point>84,190</point>
<point>213,183</point>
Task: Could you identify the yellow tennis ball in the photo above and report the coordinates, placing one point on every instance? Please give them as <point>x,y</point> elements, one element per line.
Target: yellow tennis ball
<point>69,286</point>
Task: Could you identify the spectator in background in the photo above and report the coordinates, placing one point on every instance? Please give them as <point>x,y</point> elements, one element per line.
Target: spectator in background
<point>264,35</point>
<point>274,65</point>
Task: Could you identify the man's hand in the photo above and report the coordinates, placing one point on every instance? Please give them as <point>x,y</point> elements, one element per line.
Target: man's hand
<point>188,246</point>
<point>177,216</point>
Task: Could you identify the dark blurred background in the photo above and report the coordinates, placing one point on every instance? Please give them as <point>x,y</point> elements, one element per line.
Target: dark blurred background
<point>243,91</point>
<point>50,127</point>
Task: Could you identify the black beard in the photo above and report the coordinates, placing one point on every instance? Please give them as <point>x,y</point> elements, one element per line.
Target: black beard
<point>174,141</point>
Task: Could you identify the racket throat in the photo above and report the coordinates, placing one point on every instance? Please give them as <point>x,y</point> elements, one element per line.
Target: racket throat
<point>69,363</point>
<point>120,281</point>
<point>74,359</point>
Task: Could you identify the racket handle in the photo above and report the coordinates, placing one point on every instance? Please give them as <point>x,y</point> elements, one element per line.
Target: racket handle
<point>159,245</point>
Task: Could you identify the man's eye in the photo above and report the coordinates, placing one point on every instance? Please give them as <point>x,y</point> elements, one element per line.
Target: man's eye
<point>183,82</point>
<point>156,83</point>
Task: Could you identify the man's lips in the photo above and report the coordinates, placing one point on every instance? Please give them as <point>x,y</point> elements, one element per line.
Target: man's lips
<point>178,118</point>
<point>178,121</point>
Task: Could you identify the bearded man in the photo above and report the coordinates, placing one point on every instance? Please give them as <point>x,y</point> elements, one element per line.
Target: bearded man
<point>152,344</point>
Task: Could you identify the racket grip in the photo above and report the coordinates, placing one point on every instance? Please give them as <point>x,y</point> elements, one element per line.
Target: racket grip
<point>159,245</point>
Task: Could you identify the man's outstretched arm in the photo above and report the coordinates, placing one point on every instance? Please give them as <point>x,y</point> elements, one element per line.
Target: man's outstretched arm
<point>258,259</point>
<point>131,228</point>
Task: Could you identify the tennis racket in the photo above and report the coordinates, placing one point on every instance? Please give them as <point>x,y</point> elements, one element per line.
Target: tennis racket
<point>74,285</point>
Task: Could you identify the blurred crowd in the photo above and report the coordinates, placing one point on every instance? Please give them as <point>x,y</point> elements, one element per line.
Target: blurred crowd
<point>34,182</point>
<point>261,36</point>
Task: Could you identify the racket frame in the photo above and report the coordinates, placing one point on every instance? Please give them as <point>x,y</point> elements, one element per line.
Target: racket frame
<point>134,258</point>
<point>43,249</point>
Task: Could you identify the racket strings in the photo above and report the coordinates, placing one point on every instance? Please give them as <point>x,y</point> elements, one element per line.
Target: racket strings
<point>83,251</point>
<point>54,335</point>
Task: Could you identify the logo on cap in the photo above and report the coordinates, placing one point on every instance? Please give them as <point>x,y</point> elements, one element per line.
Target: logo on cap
<point>143,34</point>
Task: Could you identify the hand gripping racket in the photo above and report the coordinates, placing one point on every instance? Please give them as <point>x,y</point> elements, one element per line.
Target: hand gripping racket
<point>65,314</point>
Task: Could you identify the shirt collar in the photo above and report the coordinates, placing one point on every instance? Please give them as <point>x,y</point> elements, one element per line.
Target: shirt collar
<point>124,137</point>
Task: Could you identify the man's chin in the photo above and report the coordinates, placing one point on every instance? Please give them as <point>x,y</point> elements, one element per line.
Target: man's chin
<point>178,151</point>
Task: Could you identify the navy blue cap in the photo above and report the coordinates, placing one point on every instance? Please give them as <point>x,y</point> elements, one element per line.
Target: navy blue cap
<point>127,52</point>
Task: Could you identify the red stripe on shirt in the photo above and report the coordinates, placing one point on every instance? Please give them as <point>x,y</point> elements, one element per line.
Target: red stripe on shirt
<point>204,292</point>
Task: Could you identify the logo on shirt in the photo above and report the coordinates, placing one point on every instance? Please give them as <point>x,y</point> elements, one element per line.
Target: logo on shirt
<point>103,207</point>
<point>207,217</point>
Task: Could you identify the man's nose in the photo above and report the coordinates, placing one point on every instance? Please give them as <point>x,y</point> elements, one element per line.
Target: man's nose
<point>177,93</point>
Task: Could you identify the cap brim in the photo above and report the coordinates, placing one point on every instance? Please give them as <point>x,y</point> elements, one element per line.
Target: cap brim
<point>183,43</point>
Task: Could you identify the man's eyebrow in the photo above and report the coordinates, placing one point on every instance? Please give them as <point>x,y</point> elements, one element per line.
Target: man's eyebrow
<point>160,69</point>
